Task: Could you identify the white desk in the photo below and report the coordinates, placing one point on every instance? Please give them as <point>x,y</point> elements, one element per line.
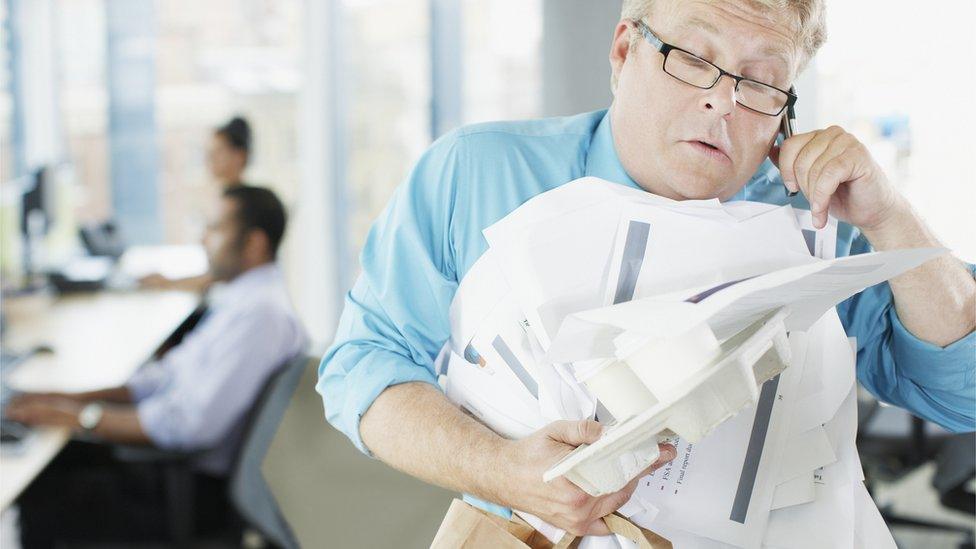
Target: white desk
<point>98,339</point>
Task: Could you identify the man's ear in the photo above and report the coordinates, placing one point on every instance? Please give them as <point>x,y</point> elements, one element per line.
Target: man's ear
<point>241,158</point>
<point>619,49</point>
<point>257,246</point>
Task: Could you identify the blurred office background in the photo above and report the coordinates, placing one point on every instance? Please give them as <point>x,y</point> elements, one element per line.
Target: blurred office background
<point>117,100</point>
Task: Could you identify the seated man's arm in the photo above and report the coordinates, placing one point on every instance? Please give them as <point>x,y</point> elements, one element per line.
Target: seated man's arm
<point>61,409</point>
<point>119,422</point>
<point>189,414</point>
<point>243,350</point>
<point>145,381</point>
<point>199,283</point>
<point>118,395</point>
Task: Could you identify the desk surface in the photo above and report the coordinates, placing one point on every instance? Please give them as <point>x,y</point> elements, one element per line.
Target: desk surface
<point>98,339</point>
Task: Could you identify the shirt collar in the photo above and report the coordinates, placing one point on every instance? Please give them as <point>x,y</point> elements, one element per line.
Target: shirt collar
<point>601,158</point>
<point>251,282</point>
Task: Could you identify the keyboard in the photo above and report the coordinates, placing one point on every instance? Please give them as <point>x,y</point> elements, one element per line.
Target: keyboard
<point>12,433</point>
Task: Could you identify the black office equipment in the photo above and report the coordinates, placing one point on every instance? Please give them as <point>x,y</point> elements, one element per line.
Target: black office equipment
<point>892,444</point>
<point>102,239</point>
<point>36,218</point>
<point>36,208</point>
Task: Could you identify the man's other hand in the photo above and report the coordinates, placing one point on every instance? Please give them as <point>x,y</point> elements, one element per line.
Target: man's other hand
<point>837,174</point>
<point>560,502</point>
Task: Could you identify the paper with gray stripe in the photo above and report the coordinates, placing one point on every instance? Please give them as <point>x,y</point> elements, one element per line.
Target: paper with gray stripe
<point>589,244</point>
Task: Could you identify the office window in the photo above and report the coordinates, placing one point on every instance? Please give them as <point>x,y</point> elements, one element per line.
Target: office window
<point>216,59</point>
<point>8,211</point>
<point>81,60</point>
<point>6,99</point>
<point>908,101</point>
<point>385,79</point>
<point>502,59</point>
<point>52,114</point>
<point>387,95</point>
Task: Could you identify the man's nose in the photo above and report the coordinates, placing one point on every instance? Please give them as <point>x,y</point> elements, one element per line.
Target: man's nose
<point>720,98</point>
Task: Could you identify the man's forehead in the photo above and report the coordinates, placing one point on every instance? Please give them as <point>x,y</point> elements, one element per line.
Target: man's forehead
<point>711,18</point>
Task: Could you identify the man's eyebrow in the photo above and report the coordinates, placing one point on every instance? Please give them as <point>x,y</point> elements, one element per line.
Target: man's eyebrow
<point>697,23</point>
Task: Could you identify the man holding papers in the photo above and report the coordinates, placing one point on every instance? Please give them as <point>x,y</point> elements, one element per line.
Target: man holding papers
<point>700,90</point>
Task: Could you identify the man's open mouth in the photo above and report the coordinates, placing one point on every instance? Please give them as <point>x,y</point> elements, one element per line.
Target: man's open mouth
<point>709,150</point>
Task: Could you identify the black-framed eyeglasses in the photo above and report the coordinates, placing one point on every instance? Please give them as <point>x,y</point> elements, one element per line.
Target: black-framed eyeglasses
<point>691,69</point>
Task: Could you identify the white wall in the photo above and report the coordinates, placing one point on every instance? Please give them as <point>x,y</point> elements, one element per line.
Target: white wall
<point>312,250</point>
<point>576,37</point>
<point>916,60</point>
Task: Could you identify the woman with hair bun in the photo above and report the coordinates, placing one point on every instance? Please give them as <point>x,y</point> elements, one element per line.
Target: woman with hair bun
<point>229,151</point>
<point>227,157</point>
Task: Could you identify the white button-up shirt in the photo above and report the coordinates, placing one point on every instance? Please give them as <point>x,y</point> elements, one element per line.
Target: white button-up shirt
<point>197,396</point>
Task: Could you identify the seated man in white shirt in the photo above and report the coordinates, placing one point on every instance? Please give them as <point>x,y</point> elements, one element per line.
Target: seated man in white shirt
<point>194,398</point>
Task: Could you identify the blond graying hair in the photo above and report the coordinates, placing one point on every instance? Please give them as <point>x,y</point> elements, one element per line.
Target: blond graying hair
<point>806,17</point>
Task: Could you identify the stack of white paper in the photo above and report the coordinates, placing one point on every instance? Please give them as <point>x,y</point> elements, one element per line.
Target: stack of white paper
<point>575,268</point>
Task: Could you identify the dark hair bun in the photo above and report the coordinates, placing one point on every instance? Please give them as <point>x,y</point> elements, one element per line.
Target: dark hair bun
<point>237,132</point>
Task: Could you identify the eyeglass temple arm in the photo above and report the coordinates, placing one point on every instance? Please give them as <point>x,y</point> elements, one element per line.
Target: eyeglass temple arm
<point>648,35</point>
<point>791,115</point>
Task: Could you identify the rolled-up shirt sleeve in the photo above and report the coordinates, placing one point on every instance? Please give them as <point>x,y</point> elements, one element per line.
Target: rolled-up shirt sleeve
<point>147,380</point>
<point>395,318</point>
<point>935,383</point>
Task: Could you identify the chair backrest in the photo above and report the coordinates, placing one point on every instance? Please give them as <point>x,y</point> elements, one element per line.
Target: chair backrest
<point>249,491</point>
<point>334,496</point>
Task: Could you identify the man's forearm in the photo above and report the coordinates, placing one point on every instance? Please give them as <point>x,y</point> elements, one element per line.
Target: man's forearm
<point>414,428</point>
<point>120,395</point>
<point>199,283</point>
<point>935,301</point>
<point>121,424</point>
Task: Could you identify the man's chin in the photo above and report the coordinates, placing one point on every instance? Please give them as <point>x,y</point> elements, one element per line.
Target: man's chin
<point>698,189</point>
<point>690,183</point>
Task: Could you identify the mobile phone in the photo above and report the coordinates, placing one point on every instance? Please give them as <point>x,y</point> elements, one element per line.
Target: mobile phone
<point>787,127</point>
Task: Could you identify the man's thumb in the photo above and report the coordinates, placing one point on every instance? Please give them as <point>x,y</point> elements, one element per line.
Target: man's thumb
<point>575,433</point>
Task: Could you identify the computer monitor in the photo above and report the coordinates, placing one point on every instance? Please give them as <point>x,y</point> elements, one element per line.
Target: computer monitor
<point>36,217</point>
<point>36,209</point>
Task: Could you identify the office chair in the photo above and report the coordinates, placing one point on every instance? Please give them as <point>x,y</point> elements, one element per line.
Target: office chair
<point>178,485</point>
<point>250,497</point>
<point>892,443</point>
<point>175,465</point>
<point>249,491</point>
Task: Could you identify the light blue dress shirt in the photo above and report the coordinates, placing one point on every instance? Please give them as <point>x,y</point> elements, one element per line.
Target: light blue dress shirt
<point>197,396</point>
<point>396,316</point>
